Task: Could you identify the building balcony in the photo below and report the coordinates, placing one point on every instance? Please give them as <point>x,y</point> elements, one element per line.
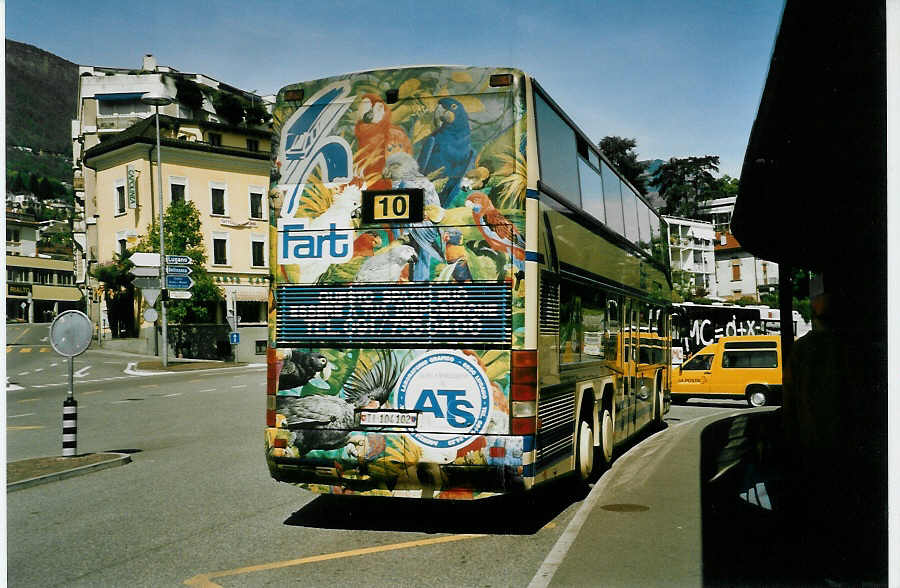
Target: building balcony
<point>115,123</point>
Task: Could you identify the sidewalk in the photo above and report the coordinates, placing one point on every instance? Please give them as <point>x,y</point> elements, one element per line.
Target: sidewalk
<point>641,523</point>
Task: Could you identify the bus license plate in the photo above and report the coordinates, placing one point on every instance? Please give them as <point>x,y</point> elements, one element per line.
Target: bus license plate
<point>388,418</point>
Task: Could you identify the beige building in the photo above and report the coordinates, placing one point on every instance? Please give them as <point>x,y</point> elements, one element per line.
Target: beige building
<point>208,164</point>
<point>38,285</point>
<point>216,160</point>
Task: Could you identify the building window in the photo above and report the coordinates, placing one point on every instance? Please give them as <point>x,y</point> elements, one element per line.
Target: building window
<point>215,139</point>
<point>178,190</point>
<point>12,235</point>
<point>256,205</point>
<point>252,144</point>
<point>123,246</point>
<point>736,271</point>
<point>218,200</point>
<point>765,273</point>
<point>259,258</point>
<point>260,347</point>
<point>120,196</point>
<point>220,248</point>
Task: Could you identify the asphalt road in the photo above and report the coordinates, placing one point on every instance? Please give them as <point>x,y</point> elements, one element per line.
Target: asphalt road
<point>196,506</point>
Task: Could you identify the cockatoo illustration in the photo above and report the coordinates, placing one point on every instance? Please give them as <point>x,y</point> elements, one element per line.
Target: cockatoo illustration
<point>449,147</point>
<point>340,213</point>
<point>317,421</point>
<point>403,171</point>
<point>299,368</point>
<point>386,265</point>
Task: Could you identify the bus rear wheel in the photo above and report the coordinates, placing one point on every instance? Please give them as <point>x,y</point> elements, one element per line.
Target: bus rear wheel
<point>757,396</point>
<point>607,431</point>
<point>584,450</point>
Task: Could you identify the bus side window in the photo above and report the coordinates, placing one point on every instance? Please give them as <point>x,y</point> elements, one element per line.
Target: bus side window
<point>613,326</point>
<point>570,323</point>
<point>594,323</point>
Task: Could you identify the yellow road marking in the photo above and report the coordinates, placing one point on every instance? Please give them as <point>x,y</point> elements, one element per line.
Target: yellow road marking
<point>27,400</point>
<point>25,350</point>
<point>9,348</point>
<point>24,428</point>
<point>45,349</point>
<point>205,580</point>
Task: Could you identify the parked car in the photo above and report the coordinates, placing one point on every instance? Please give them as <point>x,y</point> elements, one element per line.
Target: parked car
<point>746,367</point>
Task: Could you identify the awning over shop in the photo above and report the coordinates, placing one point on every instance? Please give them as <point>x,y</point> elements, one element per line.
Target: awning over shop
<point>61,293</point>
<point>247,293</point>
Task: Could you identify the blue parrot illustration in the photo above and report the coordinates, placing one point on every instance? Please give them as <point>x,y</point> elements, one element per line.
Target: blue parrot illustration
<point>448,147</point>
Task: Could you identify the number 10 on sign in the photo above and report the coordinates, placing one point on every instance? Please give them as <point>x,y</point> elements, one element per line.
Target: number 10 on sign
<point>391,207</point>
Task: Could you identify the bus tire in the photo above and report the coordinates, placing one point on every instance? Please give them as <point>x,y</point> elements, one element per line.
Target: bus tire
<point>658,413</point>
<point>607,438</point>
<point>757,396</point>
<point>584,446</point>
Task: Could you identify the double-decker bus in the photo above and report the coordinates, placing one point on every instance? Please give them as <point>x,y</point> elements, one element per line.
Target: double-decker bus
<point>467,298</point>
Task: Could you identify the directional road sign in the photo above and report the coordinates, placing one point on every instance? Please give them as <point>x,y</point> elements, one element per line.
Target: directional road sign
<point>145,271</point>
<point>150,295</point>
<point>179,282</point>
<point>234,338</point>
<point>180,294</point>
<point>178,270</point>
<point>146,283</point>
<point>178,259</point>
<point>145,259</point>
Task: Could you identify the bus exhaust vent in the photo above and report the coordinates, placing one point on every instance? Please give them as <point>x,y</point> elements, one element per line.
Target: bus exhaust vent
<point>414,315</point>
<point>556,416</point>
<point>549,322</point>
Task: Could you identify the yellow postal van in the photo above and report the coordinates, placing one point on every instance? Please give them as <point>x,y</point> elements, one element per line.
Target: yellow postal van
<point>733,367</point>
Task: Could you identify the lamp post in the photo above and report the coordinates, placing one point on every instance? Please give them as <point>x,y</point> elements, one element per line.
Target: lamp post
<point>157,100</point>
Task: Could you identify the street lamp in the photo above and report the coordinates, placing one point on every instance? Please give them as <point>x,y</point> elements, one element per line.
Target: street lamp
<point>158,100</point>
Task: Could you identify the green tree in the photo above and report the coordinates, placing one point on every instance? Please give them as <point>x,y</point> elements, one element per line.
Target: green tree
<point>118,293</point>
<point>684,183</point>
<point>229,107</point>
<point>620,152</point>
<point>183,237</point>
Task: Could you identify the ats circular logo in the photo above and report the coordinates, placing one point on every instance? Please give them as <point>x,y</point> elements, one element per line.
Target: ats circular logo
<point>451,394</point>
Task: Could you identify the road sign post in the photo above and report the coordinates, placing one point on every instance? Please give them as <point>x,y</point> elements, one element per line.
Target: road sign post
<point>70,335</point>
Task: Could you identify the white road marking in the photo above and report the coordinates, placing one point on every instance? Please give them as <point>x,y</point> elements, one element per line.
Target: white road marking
<point>24,373</point>
<point>15,416</point>
<point>175,394</point>
<point>12,387</point>
<point>38,370</point>
<point>82,372</point>
<point>54,364</point>
<point>240,386</point>
<point>209,390</point>
<point>556,555</point>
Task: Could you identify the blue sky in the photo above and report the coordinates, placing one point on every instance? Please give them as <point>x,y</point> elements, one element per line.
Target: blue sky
<point>681,78</point>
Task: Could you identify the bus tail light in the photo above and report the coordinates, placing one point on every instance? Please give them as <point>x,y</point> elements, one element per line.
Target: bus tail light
<point>522,426</point>
<point>523,392</point>
<point>524,375</point>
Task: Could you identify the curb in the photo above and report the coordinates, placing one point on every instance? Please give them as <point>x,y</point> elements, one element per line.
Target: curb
<point>122,459</point>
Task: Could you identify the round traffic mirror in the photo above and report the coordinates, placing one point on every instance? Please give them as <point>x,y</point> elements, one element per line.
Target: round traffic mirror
<point>70,333</point>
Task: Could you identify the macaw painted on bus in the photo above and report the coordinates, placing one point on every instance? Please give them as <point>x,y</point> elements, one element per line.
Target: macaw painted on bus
<point>449,147</point>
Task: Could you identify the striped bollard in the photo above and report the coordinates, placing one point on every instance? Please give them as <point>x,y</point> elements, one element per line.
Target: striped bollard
<point>70,427</point>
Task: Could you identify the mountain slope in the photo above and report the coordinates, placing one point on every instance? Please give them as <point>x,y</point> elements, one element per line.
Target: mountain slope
<point>40,98</point>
